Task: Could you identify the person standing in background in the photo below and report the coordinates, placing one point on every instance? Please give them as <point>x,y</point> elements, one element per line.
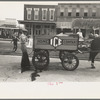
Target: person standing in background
<point>25,63</point>
<point>94,49</point>
<point>81,38</point>
<point>14,40</point>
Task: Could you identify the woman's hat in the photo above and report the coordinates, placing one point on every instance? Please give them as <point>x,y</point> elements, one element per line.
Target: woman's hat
<point>25,30</point>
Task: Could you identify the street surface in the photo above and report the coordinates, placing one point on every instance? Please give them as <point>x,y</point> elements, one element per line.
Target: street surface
<point>10,67</point>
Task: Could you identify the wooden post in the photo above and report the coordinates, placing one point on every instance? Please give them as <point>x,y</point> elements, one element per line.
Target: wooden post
<point>31,30</point>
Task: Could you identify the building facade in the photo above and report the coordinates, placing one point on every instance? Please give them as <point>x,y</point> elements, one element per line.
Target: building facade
<point>68,12</point>
<point>40,19</point>
<point>51,19</point>
<point>8,27</point>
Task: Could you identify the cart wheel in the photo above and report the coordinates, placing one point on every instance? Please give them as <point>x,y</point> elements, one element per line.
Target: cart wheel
<point>45,51</point>
<point>40,60</point>
<point>70,62</point>
<point>42,51</point>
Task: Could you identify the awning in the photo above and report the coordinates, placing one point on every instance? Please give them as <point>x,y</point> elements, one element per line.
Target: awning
<point>8,28</point>
<point>27,21</point>
<point>64,24</point>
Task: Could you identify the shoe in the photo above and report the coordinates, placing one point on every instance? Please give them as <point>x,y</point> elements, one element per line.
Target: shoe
<point>20,72</point>
<point>92,66</point>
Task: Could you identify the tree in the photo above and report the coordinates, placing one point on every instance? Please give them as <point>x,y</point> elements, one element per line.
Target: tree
<point>86,23</point>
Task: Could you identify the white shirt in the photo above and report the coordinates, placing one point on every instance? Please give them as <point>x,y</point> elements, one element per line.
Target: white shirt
<point>23,38</point>
<point>80,36</point>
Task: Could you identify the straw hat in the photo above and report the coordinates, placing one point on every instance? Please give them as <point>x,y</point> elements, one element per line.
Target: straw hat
<point>23,29</point>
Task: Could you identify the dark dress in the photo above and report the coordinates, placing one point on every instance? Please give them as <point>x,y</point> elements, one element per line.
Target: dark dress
<point>95,48</point>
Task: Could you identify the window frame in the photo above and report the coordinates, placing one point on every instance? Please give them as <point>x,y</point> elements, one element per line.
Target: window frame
<point>86,12</point>
<point>77,14</point>
<point>61,14</point>
<point>44,9</point>
<point>29,12</point>
<point>36,9</point>
<point>51,9</point>
<point>69,14</point>
<point>93,12</point>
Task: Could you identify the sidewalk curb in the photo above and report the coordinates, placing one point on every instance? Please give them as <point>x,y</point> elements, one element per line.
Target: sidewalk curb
<point>2,39</point>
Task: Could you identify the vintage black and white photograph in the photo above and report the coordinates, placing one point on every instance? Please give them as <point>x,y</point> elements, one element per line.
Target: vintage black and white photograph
<point>50,49</point>
<point>49,42</point>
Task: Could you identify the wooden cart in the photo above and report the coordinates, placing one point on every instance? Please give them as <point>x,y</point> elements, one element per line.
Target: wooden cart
<point>66,45</point>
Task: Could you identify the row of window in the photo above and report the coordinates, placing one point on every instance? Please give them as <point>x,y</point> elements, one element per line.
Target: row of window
<point>52,12</point>
<point>44,13</point>
<point>78,14</point>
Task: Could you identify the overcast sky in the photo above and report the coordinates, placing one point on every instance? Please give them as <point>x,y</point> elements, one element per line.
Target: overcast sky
<point>16,9</point>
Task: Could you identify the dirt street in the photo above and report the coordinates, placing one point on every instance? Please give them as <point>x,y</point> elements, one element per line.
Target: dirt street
<point>10,67</point>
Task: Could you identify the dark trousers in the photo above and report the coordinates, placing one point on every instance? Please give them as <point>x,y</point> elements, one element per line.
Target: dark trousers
<point>92,55</point>
<point>25,63</point>
<point>15,47</point>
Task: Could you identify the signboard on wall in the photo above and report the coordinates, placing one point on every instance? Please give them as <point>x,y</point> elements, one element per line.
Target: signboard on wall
<point>64,24</point>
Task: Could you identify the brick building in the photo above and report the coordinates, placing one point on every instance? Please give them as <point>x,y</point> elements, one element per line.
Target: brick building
<point>68,12</point>
<point>51,19</point>
<point>40,19</point>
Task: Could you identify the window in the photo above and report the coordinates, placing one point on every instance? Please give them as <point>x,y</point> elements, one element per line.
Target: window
<point>38,29</point>
<point>36,13</point>
<point>47,26</point>
<point>29,13</point>
<point>44,13</point>
<point>85,12</point>
<point>69,12</point>
<point>52,27</point>
<point>94,13</point>
<point>77,12</point>
<point>38,26</point>
<point>52,11</point>
<point>62,11</point>
<point>28,27</point>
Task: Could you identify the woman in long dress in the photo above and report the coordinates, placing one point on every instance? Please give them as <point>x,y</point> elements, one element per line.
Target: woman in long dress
<point>25,63</point>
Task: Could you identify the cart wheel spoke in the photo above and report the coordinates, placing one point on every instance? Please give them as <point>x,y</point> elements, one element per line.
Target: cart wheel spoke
<point>70,62</point>
<point>40,60</point>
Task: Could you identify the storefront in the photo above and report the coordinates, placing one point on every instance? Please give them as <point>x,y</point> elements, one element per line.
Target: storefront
<point>39,27</point>
<point>8,32</point>
<point>66,27</point>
